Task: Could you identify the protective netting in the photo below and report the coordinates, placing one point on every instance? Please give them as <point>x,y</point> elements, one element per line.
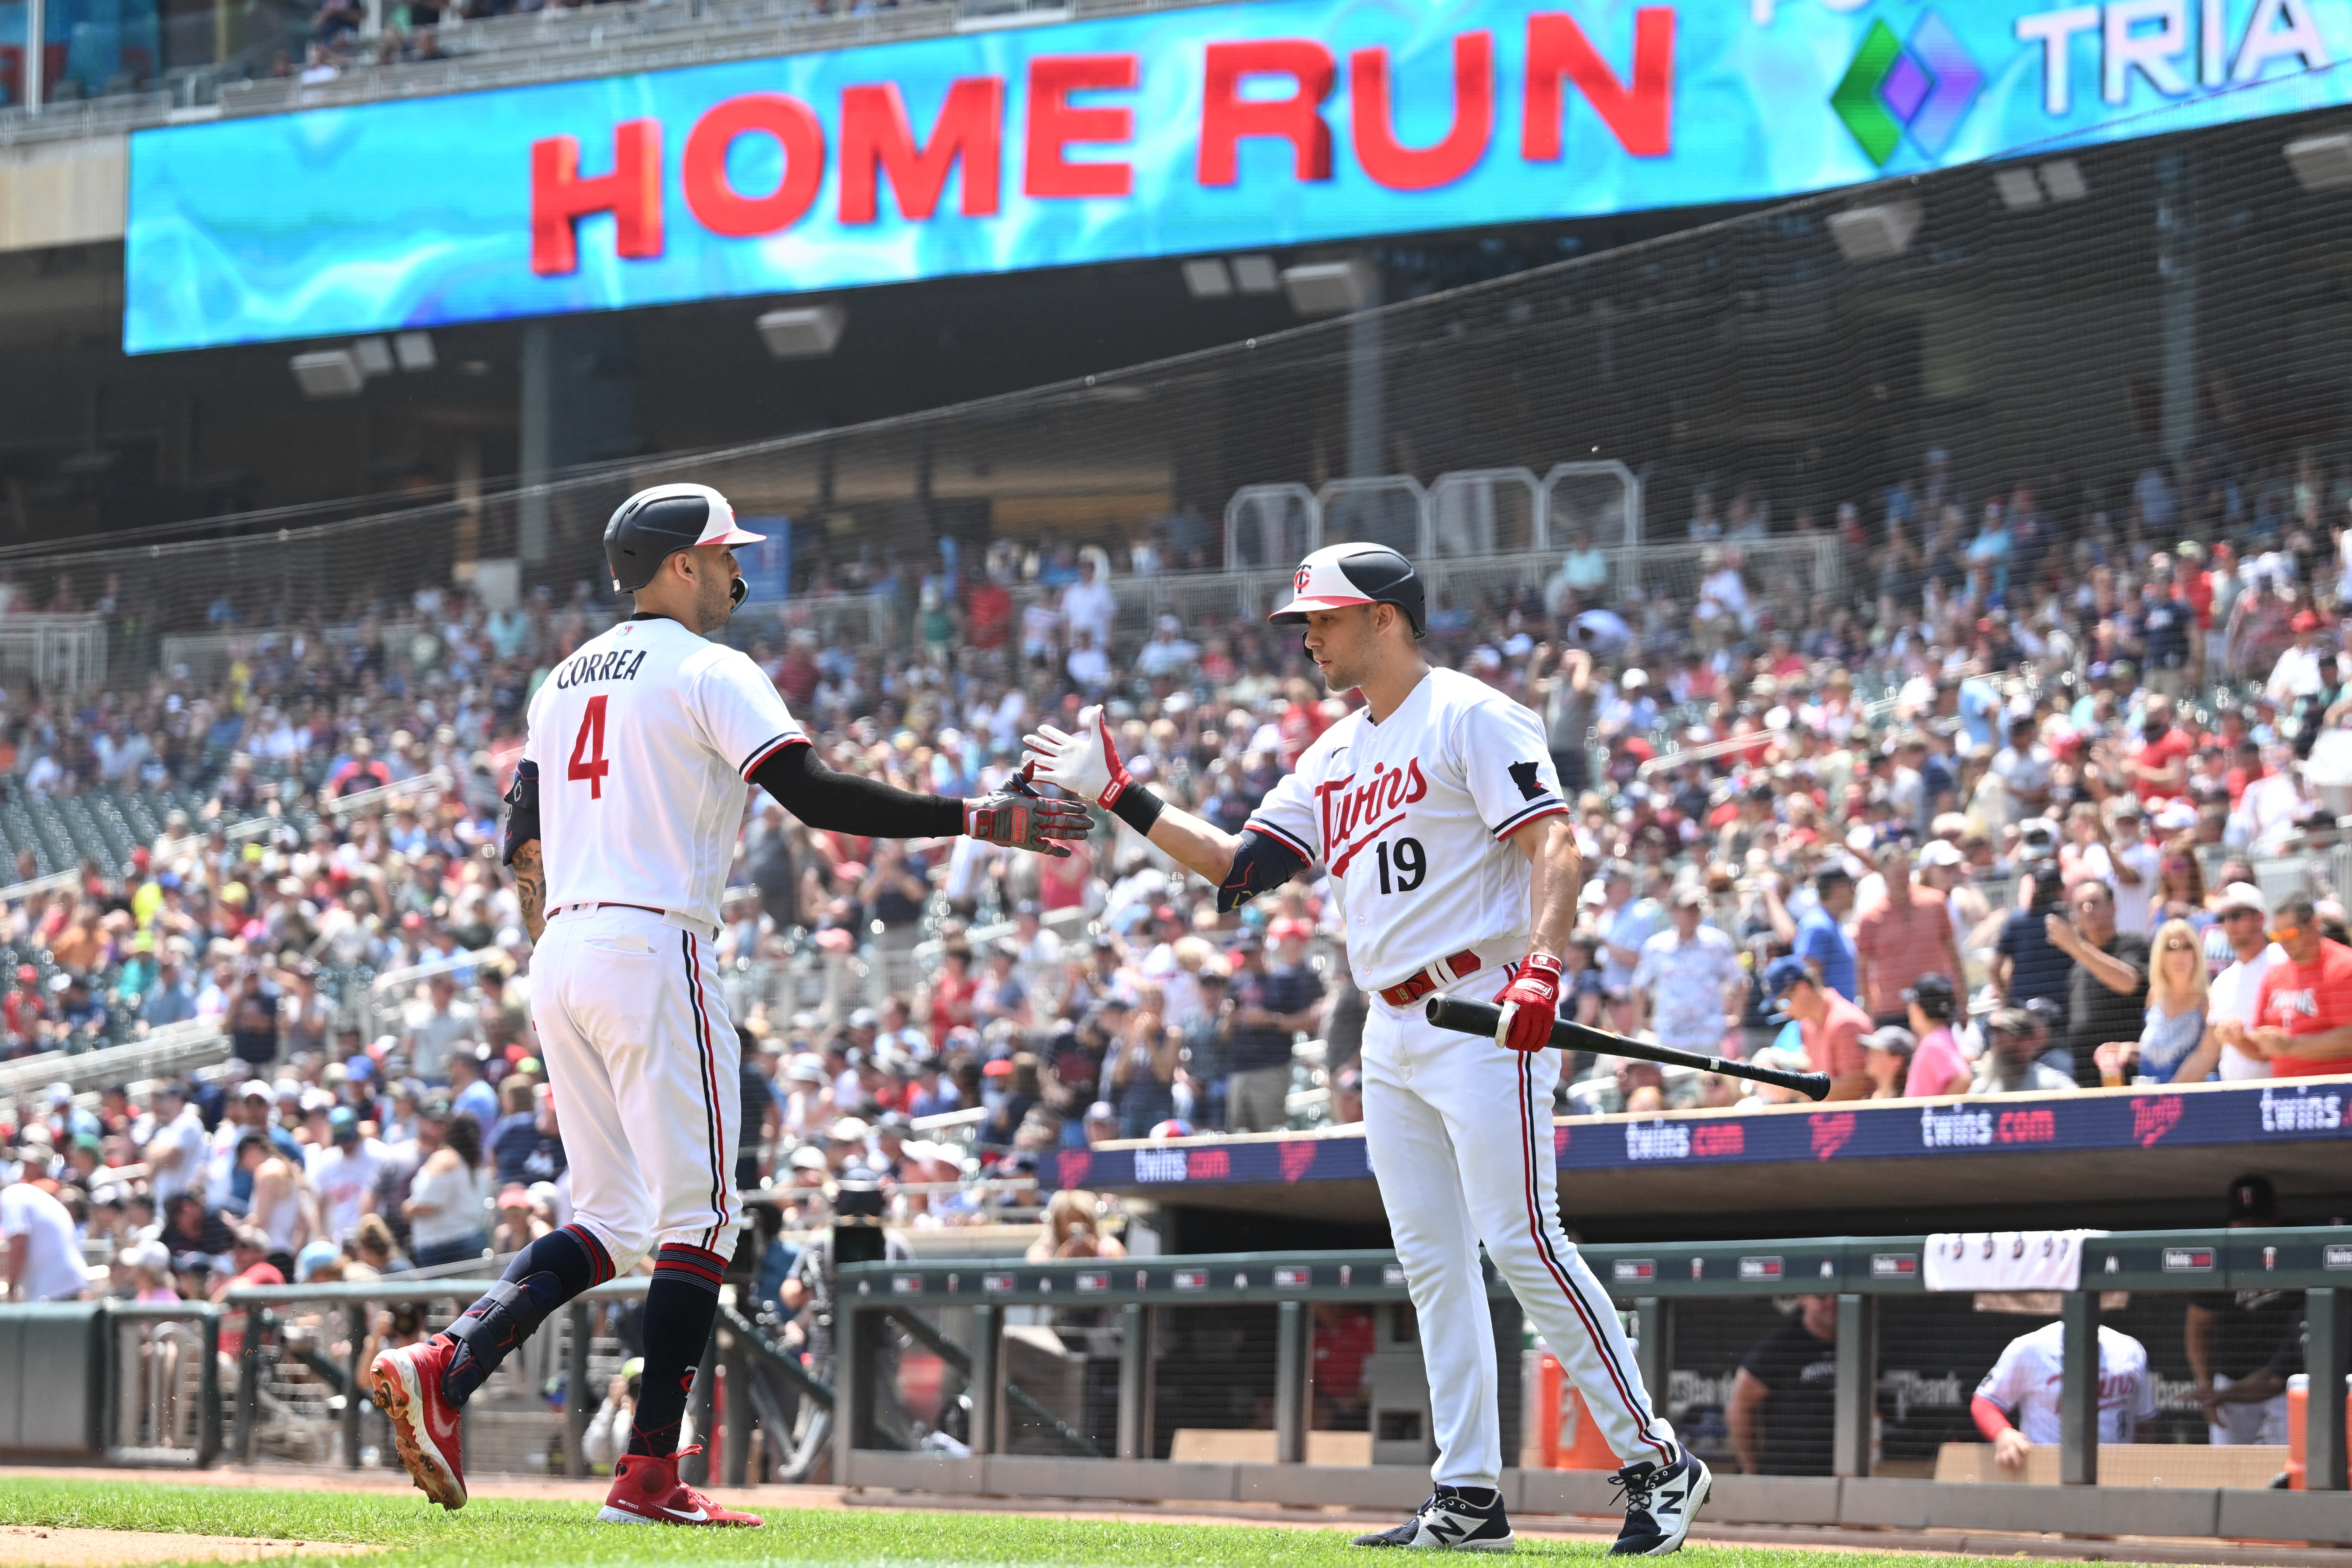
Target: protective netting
<point>2114,348</point>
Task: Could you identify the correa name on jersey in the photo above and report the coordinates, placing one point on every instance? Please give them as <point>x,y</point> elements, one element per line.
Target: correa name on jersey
<point>613,664</point>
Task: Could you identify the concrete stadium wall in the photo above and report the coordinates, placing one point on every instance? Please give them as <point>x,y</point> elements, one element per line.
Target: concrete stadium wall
<point>2189,1512</point>
<point>62,192</point>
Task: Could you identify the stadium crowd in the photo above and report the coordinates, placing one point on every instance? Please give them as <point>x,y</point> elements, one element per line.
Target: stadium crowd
<point>1986,817</point>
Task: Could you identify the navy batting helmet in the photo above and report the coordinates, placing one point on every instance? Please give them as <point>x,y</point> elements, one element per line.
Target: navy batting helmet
<point>654,524</point>
<point>1341,574</point>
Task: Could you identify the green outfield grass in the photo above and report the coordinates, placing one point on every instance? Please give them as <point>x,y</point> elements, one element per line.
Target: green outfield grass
<point>492,1533</point>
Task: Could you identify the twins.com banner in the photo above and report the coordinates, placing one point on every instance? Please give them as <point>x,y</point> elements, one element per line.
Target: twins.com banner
<point>1274,123</point>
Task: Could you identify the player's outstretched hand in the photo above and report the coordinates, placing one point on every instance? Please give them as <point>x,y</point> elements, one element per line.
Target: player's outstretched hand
<point>1023,820</point>
<point>1529,1005</point>
<point>1086,763</point>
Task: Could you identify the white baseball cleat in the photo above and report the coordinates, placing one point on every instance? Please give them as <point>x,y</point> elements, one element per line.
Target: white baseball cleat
<point>1450,1521</point>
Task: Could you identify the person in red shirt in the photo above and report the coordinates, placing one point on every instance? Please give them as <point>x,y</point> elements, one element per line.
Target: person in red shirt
<point>2303,1012</point>
<point>798,676</point>
<point>1831,1026</point>
<point>2159,771</point>
<point>988,617</point>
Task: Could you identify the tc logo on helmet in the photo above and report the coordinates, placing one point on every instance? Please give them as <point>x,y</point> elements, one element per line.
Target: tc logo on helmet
<point>1305,574</point>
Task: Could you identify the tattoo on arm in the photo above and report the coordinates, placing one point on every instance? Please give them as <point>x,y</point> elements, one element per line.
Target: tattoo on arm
<point>531,888</point>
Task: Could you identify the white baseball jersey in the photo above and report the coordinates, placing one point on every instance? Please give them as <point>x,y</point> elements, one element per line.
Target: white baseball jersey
<point>2024,1384</point>
<point>1410,814</point>
<point>645,740</point>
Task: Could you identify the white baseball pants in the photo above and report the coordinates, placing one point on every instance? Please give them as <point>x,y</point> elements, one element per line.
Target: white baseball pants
<point>644,1066</point>
<point>1459,1132</point>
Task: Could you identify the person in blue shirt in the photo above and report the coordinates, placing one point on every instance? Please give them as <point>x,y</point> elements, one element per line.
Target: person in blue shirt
<point>469,1092</point>
<point>1821,941</point>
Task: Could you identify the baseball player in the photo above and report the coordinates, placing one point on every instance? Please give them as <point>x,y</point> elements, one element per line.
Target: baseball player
<point>621,825</point>
<point>1436,810</point>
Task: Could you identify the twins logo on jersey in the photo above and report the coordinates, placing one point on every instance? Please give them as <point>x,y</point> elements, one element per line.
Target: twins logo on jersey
<point>1354,814</point>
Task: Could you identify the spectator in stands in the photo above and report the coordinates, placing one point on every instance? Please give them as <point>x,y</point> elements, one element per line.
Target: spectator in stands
<point>1886,1058</point>
<point>2174,1025</point>
<point>433,1027</point>
<point>2011,1064</point>
<point>2028,964</point>
<point>249,1262</point>
<point>470,1094</point>
<point>1821,938</point>
<point>1089,608</point>
<point>1691,973</point>
<point>2016,1406</point>
<point>361,771</point>
<point>1833,1029</point>
<point>449,1199</point>
<point>2303,1008</point>
<point>344,1173</point>
<point>1907,932</point>
<point>252,1018</point>
<point>1267,1008</point>
<point>2242,917</point>
<point>1782,1412</point>
<point>1144,1056</point>
<point>174,1152</point>
<point>44,1255</point>
<point>1938,1067</point>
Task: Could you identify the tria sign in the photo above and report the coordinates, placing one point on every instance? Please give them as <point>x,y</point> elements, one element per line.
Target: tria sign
<point>1176,131</point>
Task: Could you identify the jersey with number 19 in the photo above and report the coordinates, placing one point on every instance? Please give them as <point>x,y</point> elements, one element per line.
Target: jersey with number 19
<point>645,739</point>
<point>1411,815</point>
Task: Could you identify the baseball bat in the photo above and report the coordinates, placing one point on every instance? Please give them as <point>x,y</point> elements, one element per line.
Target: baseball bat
<point>1468,1018</point>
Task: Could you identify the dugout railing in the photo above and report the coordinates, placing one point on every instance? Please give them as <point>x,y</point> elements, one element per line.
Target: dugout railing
<point>889,1308</point>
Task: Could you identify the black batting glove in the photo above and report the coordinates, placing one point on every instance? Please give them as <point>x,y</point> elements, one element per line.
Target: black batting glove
<point>1021,819</point>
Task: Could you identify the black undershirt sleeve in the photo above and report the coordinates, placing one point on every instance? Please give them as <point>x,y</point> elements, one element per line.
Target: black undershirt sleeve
<point>846,803</point>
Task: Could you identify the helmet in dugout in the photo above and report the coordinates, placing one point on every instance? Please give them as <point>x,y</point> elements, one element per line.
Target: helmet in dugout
<point>1338,575</point>
<point>654,524</point>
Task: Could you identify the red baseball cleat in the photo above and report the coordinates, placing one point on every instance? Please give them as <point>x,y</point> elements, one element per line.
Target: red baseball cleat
<point>646,1490</point>
<point>406,1384</point>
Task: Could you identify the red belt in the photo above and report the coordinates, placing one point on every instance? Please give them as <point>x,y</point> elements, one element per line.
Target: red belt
<point>1407,992</point>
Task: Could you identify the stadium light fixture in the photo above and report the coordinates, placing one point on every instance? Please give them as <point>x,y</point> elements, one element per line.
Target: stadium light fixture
<point>374,355</point>
<point>809,332</point>
<point>2063,178</point>
<point>2018,188</point>
<point>2321,163</point>
<point>413,351</point>
<point>1207,278</point>
<point>327,372</point>
<point>1257,275</point>
<point>1330,288</point>
<point>1876,232</point>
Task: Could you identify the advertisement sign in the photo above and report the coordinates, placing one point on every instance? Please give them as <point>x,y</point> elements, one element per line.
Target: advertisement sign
<point>2289,1111</point>
<point>1280,122</point>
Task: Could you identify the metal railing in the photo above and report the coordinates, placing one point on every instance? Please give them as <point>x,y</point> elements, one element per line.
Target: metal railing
<point>1654,1280</point>
<point>171,1051</point>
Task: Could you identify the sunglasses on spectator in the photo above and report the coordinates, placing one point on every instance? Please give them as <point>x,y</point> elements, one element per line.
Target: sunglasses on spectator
<point>2242,914</point>
<point>2285,933</point>
<point>2180,947</point>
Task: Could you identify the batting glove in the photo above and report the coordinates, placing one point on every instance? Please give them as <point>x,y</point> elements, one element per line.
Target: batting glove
<point>1529,1005</point>
<point>1023,820</point>
<point>1085,764</point>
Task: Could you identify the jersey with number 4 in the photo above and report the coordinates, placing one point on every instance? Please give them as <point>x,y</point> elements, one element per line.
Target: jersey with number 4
<point>645,739</point>
<point>1412,817</point>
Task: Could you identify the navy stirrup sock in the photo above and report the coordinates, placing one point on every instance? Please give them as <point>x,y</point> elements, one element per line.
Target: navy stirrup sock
<point>680,1306</point>
<point>542,1277</point>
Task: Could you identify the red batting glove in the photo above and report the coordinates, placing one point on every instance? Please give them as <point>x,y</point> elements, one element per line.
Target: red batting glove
<point>1530,1004</point>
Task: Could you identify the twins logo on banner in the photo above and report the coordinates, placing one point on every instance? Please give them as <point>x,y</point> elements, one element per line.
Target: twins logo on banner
<point>1298,1159</point>
<point>1073,1165</point>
